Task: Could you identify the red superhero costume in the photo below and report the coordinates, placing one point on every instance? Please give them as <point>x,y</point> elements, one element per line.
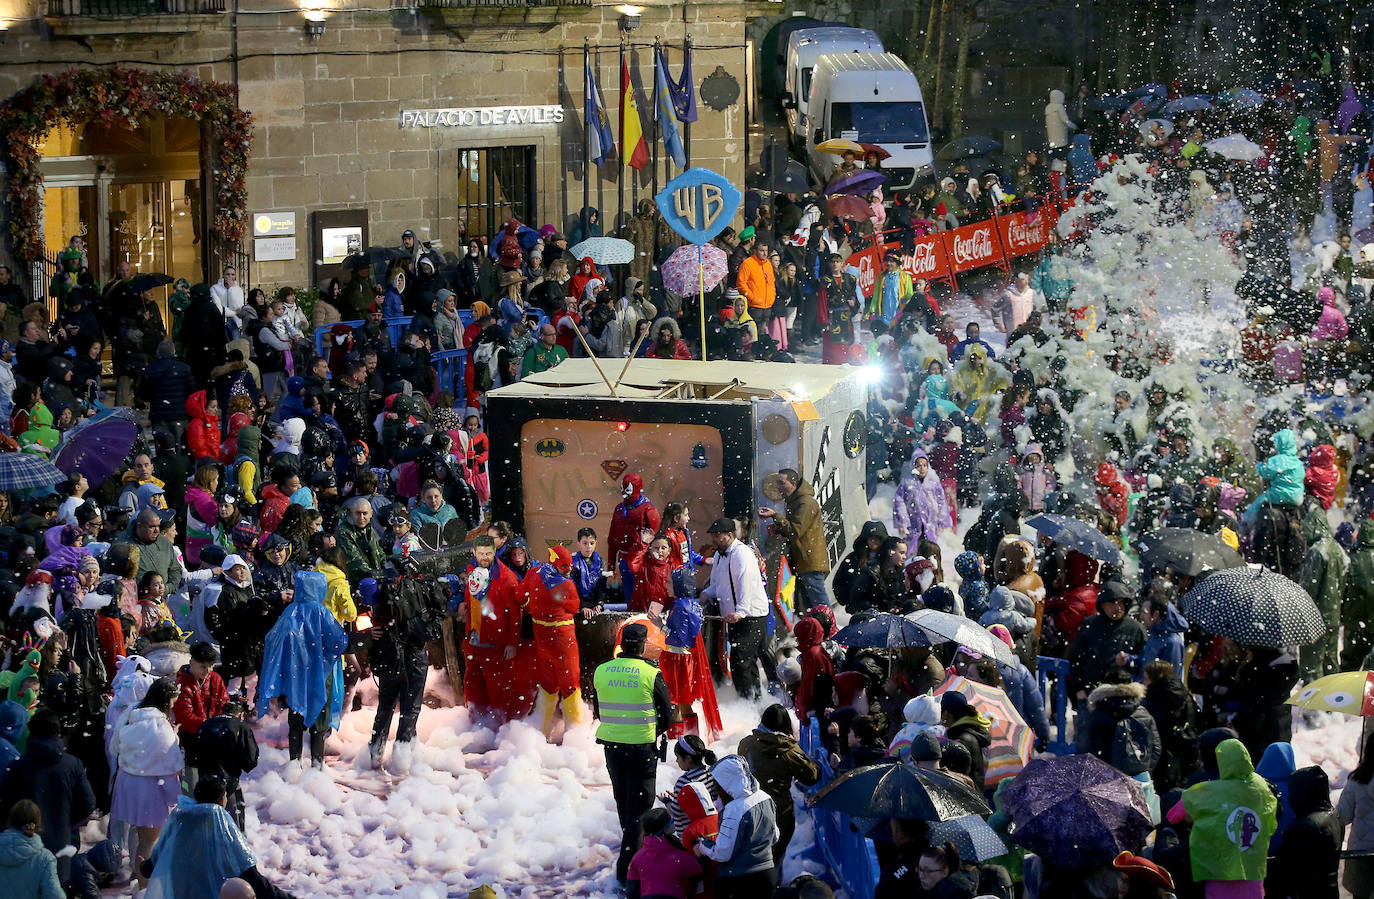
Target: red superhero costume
<point>633,515</point>
<point>492,688</point>
<point>551,599</point>
<point>653,579</point>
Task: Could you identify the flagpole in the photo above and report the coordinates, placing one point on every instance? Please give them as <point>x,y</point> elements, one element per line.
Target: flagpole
<point>587,138</point>
<point>620,157</point>
<point>655,161</point>
<point>687,126</point>
<point>701,300</point>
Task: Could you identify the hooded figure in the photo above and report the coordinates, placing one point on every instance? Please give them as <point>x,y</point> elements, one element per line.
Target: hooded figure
<point>1324,578</point>
<point>1113,493</point>
<point>976,380</point>
<point>1233,819</point>
<point>202,433</point>
<point>289,441</point>
<point>922,714</point>
<point>41,437</point>
<point>244,471</point>
<point>199,849</point>
<point>1348,111</point>
<point>673,348</point>
<point>303,655</point>
<point>1082,163</point>
<point>1322,474</point>
<point>1285,473</point>
<point>919,508</point>
<point>1165,639</point>
<point>817,669</point>
<point>748,825</point>
<point>1276,766</point>
<point>292,405</point>
<point>633,514</point>
<point>973,583</point>
<point>1306,865</point>
<point>1119,730</point>
<point>1057,122</point>
<point>1331,324</point>
<point>933,404</point>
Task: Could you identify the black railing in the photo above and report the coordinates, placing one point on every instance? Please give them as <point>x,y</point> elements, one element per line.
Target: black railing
<point>71,8</point>
<point>473,4</point>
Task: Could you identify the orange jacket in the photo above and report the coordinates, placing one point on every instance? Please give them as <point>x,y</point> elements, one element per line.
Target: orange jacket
<point>755,282</point>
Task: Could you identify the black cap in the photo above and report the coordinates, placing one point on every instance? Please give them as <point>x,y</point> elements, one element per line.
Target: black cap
<point>634,635</point>
<point>925,747</point>
<point>722,526</point>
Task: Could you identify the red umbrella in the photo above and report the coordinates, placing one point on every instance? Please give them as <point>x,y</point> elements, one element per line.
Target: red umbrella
<point>874,148</point>
<point>848,206</point>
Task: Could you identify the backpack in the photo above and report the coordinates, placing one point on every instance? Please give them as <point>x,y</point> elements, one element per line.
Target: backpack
<point>1130,753</point>
<point>484,372</point>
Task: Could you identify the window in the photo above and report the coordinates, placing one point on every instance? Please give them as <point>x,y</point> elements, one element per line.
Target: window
<point>493,185</point>
<point>880,123</point>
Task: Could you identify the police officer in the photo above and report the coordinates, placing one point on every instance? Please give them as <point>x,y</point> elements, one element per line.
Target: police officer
<point>634,711</point>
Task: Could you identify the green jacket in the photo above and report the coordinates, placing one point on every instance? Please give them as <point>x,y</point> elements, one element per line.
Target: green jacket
<point>1324,570</point>
<point>540,358</point>
<point>1233,819</point>
<point>159,556</point>
<point>361,549</point>
<point>1359,582</point>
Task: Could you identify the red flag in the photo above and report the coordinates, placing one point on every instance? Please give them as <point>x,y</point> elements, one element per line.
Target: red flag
<point>633,149</point>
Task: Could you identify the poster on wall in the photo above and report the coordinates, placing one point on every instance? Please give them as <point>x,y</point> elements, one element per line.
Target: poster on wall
<point>337,244</point>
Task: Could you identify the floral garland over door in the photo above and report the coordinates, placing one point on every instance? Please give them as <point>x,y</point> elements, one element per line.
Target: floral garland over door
<point>120,96</point>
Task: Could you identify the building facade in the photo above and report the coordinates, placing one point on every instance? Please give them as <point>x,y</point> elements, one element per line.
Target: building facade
<point>446,117</point>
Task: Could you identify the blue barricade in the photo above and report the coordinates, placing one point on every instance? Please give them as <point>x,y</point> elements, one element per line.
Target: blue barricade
<point>323,331</point>
<point>1056,701</point>
<point>449,367</point>
<point>396,326</point>
<point>847,853</point>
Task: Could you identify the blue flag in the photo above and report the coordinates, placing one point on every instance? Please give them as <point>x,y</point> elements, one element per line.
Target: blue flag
<point>684,96</point>
<point>664,112</point>
<point>602,145</point>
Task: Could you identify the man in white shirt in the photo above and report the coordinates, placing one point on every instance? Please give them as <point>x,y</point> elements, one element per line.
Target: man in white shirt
<point>228,296</point>
<point>737,582</point>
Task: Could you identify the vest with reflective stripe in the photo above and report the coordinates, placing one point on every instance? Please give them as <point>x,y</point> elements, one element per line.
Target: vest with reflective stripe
<point>625,700</point>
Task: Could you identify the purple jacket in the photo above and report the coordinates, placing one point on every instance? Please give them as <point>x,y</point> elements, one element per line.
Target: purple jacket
<point>919,509</point>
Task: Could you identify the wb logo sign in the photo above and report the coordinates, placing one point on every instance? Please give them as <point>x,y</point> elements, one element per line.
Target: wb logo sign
<point>698,204</point>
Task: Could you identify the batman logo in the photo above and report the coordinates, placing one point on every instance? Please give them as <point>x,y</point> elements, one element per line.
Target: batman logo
<point>550,447</point>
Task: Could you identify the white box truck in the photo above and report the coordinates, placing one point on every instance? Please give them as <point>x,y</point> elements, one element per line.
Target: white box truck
<point>871,98</point>
<point>804,47</point>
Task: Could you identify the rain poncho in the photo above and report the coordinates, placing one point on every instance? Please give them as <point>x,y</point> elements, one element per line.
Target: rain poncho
<point>41,437</point>
<point>934,405</point>
<point>199,849</point>
<point>303,657</point>
<point>1082,163</point>
<point>919,509</point>
<point>1284,472</point>
<point>1233,819</point>
<point>1323,577</point>
<point>977,379</point>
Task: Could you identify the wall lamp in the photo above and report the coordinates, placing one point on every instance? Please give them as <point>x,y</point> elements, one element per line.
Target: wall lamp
<point>314,23</point>
<point>629,17</point>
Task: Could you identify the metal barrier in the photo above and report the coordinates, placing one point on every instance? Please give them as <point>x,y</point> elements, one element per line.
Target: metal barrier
<point>847,853</point>
<point>450,367</point>
<point>323,330</point>
<point>1057,702</point>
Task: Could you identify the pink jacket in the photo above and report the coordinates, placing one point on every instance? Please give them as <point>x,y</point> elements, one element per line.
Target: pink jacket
<point>1331,325</point>
<point>663,869</point>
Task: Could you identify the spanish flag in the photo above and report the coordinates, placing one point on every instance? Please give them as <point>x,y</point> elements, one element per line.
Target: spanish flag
<point>633,149</point>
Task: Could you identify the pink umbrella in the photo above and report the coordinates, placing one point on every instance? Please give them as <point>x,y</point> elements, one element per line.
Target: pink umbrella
<point>848,206</point>
<point>680,274</point>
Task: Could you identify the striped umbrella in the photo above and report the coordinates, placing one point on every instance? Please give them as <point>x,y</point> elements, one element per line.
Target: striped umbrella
<point>1010,749</point>
<point>24,471</point>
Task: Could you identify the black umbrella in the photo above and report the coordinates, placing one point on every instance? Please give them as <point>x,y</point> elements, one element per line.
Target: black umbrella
<point>882,631</point>
<point>898,790</point>
<point>1186,551</point>
<point>1107,104</point>
<point>974,145</point>
<point>145,283</point>
<point>1076,533</point>
<point>942,627</point>
<point>1255,607</point>
<point>791,179</point>
<point>377,257</point>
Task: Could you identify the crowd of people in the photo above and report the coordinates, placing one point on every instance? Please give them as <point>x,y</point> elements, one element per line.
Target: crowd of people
<point>260,550</point>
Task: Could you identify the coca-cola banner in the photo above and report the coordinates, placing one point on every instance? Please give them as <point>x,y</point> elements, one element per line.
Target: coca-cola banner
<point>972,246</point>
<point>926,260</point>
<point>1020,236</point>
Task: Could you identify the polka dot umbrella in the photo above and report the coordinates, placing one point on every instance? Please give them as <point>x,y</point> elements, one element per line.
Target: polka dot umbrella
<point>1255,607</point>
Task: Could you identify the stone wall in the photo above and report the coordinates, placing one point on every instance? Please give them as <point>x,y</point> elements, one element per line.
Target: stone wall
<point>327,132</point>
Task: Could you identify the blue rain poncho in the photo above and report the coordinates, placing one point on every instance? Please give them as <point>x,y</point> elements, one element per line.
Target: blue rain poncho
<point>303,656</point>
<point>199,849</point>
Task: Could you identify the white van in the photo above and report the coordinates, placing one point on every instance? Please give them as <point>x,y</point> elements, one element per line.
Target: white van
<point>871,98</point>
<point>804,47</point>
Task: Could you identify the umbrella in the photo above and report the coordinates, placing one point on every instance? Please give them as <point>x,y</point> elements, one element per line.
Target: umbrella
<point>1076,533</point>
<point>1235,146</point>
<point>1011,738</point>
<point>145,283</point>
<point>95,447</point>
<point>848,206</point>
<point>791,179</point>
<point>1350,693</point>
<point>1146,91</point>
<point>898,790</point>
<point>1165,126</point>
<point>882,631</point>
<point>1364,235</point>
<point>23,471</point>
<point>1107,104</point>
<point>974,145</point>
<point>679,270</point>
<point>942,627</point>
<point>1076,811</point>
<point>839,146</point>
<point>971,835</point>
<point>1247,99</point>
<point>1186,551</point>
<point>1255,607</point>
<point>874,148</point>
<point>1187,104</point>
<point>604,250</point>
<point>860,182</point>
<point>377,257</point>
